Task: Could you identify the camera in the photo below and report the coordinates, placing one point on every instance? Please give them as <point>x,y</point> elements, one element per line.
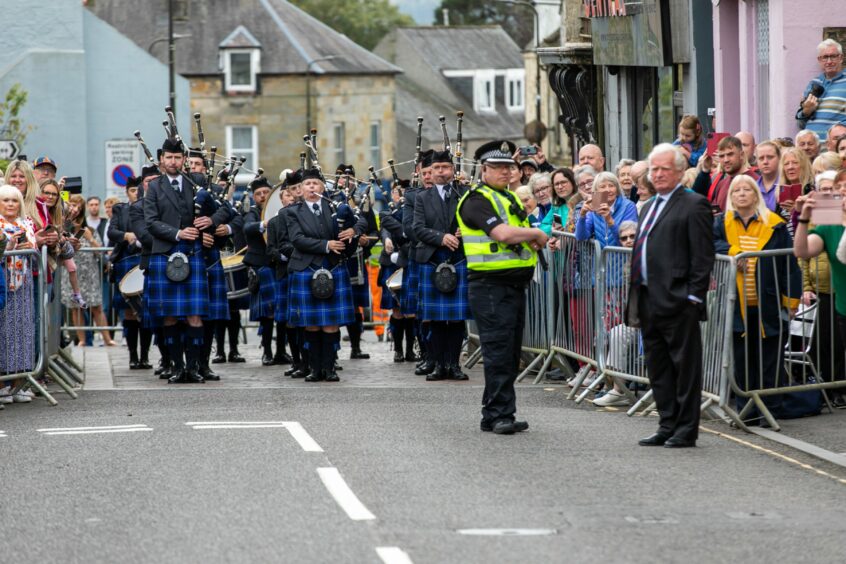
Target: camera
<point>73,184</point>
<point>528,150</point>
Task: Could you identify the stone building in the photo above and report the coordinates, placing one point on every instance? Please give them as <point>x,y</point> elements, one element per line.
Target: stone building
<point>263,72</point>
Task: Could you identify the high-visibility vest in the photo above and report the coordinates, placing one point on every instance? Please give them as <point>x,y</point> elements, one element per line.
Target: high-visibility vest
<point>486,254</point>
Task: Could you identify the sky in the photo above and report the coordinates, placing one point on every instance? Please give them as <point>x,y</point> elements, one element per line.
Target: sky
<point>421,10</point>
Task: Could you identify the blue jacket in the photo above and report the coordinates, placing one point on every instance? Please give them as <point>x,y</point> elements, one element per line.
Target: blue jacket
<point>696,153</point>
<point>546,224</point>
<point>594,226</point>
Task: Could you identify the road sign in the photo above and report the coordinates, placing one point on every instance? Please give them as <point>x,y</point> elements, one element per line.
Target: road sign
<point>121,174</point>
<point>8,149</point>
<point>123,159</point>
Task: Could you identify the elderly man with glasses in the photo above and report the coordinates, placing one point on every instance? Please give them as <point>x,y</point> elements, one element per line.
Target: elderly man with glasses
<point>824,100</point>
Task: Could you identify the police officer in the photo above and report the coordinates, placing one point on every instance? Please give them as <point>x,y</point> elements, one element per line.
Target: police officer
<point>501,251</point>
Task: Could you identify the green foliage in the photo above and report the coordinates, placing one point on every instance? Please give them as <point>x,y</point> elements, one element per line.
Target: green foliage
<point>517,21</point>
<point>364,21</point>
<point>11,126</point>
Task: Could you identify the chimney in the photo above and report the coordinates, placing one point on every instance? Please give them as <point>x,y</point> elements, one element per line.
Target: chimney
<point>445,13</point>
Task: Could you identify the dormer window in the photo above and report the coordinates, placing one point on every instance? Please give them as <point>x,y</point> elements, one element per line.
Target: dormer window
<point>484,97</point>
<point>240,60</point>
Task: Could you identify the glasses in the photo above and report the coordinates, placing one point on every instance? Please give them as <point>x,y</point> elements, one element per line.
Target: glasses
<point>540,189</point>
<point>627,238</point>
<point>586,183</point>
<point>824,58</point>
<point>561,183</point>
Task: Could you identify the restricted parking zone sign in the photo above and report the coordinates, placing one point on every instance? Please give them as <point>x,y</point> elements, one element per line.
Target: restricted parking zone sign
<point>123,159</point>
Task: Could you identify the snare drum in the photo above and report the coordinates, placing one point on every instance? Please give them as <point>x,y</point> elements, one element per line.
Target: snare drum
<point>231,265</point>
<point>394,284</point>
<point>131,287</point>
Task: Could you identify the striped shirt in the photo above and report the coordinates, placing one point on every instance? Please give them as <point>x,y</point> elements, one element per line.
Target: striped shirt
<point>832,105</point>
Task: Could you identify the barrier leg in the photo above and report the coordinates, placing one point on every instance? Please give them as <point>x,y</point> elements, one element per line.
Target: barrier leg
<point>580,377</point>
<point>544,368</point>
<point>735,418</point>
<point>473,358</point>
<point>759,403</point>
<point>746,408</point>
<point>78,377</point>
<point>645,398</point>
<point>530,367</point>
<point>61,377</point>
<point>40,389</point>
<point>649,409</point>
<point>592,388</point>
<point>70,360</point>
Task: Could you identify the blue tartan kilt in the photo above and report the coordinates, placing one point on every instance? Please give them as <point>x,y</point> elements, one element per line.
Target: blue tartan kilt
<point>304,310</point>
<point>147,319</point>
<point>262,302</point>
<point>387,302</point>
<point>361,294</point>
<point>436,306</point>
<point>218,303</point>
<point>121,268</point>
<point>179,299</point>
<point>410,295</point>
<point>280,312</point>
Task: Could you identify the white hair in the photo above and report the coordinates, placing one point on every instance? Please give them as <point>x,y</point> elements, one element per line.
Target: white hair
<point>622,164</point>
<point>663,148</point>
<point>805,132</point>
<point>826,43</point>
<point>8,191</point>
<point>585,170</point>
<point>604,177</point>
<point>627,225</point>
<point>825,175</point>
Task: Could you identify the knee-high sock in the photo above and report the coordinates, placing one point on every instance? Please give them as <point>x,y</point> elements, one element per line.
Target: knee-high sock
<point>455,340</point>
<point>220,336</point>
<point>331,345</point>
<point>397,330</point>
<point>281,337</point>
<point>355,329</point>
<point>146,339</point>
<point>410,324</point>
<point>234,328</point>
<point>209,328</point>
<point>266,326</point>
<point>423,335</point>
<point>193,347</point>
<point>173,343</point>
<point>130,329</point>
<point>304,353</point>
<point>314,346</point>
<point>164,349</point>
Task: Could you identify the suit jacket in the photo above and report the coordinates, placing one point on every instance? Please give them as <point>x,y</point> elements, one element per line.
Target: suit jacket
<point>309,235</point>
<point>391,228</point>
<point>679,256</point>
<point>433,218</point>
<point>119,226</point>
<point>410,196</point>
<point>279,243</point>
<point>256,245</point>
<point>138,225</point>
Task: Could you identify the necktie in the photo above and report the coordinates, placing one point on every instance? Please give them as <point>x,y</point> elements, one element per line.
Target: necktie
<point>637,252</point>
<point>447,193</point>
<point>175,184</point>
<point>316,208</point>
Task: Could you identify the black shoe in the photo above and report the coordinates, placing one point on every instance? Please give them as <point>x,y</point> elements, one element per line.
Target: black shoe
<point>356,354</point>
<point>656,439</point>
<point>426,369</point>
<point>144,364</point>
<point>283,358</point>
<point>337,367</point>
<point>267,360</point>
<point>411,357</point>
<point>504,427</point>
<point>455,373</point>
<point>332,377</point>
<point>518,426</point>
<point>179,377</point>
<point>292,370</point>
<point>219,358</point>
<point>301,373</point>
<point>421,362</point>
<point>674,442</point>
<point>166,373</point>
<point>315,377</point>
<point>556,375</point>
<point>235,357</point>
<point>134,365</point>
<point>440,373</point>
<point>163,367</point>
<point>193,377</point>
<point>208,374</point>
<point>399,357</point>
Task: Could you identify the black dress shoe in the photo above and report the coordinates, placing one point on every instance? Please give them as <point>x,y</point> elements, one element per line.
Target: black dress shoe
<point>219,358</point>
<point>426,369</point>
<point>519,426</point>
<point>412,357</point>
<point>332,377</point>
<point>399,357</point>
<point>208,374</point>
<point>337,367</point>
<point>134,365</point>
<point>162,368</point>
<point>283,358</point>
<point>179,377</point>
<point>193,377</point>
<point>144,364</point>
<point>455,373</point>
<point>675,442</point>
<point>440,373</point>
<point>315,377</point>
<point>356,354</point>
<point>656,439</point>
<point>301,373</point>
<point>504,427</point>
<point>290,371</point>
<point>235,357</point>
<point>267,360</point>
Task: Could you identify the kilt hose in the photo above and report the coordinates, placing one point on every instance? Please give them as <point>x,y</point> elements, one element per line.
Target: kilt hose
<point>304,310</point>
<point>218,303</point>
<point>410,295</point>
<point>179,299</point>
<point>262,302</point>
<point>280,311</point>
<point>387,302</point>
<point>121,267</point>
<point>437,306</point>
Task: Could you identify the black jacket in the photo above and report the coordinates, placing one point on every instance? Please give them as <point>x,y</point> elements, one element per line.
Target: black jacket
<point>391,228</point>
<point>138,225</point>
<point>433,218</point>
<point>119,226</point>
<point>279,244</point>
<point>256,245</point>
<point>310,235</point>
<point>410,196</point>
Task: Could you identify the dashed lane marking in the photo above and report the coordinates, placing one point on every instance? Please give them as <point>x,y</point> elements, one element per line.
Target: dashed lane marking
<point>393,555</point>
<point>106,429</point>
<point>343,495</point>
<point>295,429</point>
<point>506,532</point>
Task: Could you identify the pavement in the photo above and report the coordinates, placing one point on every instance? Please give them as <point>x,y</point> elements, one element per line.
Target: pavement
<point>384,467</point>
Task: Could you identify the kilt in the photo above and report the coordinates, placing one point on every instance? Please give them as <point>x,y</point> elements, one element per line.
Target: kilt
<point>262,302</point>
<point>305,310</point>
<point>280,311</point>
<point>121,267</point>
<point>410,295</point>
<point>218,303</point>
<point>436,306</point>
<point>147,319</point>
<point>179,299</point>
<point>360,292</point>
<point>387,301</point>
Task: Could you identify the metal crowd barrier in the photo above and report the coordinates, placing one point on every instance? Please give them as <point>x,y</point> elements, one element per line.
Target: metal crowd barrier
<point>100,257</point>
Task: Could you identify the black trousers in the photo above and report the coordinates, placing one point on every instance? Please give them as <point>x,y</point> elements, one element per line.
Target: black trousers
<point>500,313</point>
<point>673,349</point>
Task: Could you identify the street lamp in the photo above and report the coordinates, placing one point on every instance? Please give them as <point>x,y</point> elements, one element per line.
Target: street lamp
<point>308,86</point>
<point>171,39</point>
<point>531,4</point>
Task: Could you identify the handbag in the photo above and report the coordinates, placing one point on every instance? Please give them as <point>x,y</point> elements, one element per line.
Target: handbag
<point>178,268</point>
<point>322,284</point>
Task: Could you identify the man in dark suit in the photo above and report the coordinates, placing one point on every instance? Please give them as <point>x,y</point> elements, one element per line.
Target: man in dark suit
<point>670,273</point>
<point>436,229</point>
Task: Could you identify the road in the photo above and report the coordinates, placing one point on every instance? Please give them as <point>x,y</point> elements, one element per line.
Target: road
<point>413,458</point>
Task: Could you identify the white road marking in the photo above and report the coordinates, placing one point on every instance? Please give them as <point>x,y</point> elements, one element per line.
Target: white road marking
<point>343,495</point>
<point>506,532</point>
<point>90,428</point>
<point>3,434</point>
<point>98,431</point>
<point>393,555</point>
<point>295,429</point>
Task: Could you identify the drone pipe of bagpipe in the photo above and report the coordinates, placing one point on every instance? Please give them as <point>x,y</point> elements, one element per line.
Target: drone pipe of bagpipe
<point>307,139</point>
<point>171,118</point>
<point>200,135</point>
<point>166,126</point>
<point>473,172</point>
<point>447,146</point>
<point>210,165</point>
<point>145,148</point>
<point>313,135</point>
<point>302,160</point>
<point>459,137</point>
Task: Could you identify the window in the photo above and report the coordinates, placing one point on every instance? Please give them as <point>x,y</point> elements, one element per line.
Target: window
<point>514,90</point>
<point>376,144</point>
<point>242,140</point>
<point>241,68</point>
<point>339,143</point>
<point>484,96</point>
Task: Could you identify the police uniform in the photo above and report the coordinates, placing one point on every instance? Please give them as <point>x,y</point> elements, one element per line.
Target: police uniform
<point>498,278</point>
<point>310,230</point>
<point>445,312</point>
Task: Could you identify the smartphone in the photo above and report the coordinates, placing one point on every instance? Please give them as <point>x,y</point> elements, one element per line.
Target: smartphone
<point>714,140</point>
<point>529,150</point>
<point>828,209</point>
<point>556,218</point>
<point>790,192</point>
<point>73,184</point>
<point>598,200</point>
<point>49,228</point>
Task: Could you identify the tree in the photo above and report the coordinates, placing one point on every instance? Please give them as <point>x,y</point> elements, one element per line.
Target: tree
<point>517,21</point>
<point>363,21</point>
<point>11,126</point>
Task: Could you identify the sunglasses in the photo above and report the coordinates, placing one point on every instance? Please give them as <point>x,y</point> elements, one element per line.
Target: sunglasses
<point>627,237</point>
